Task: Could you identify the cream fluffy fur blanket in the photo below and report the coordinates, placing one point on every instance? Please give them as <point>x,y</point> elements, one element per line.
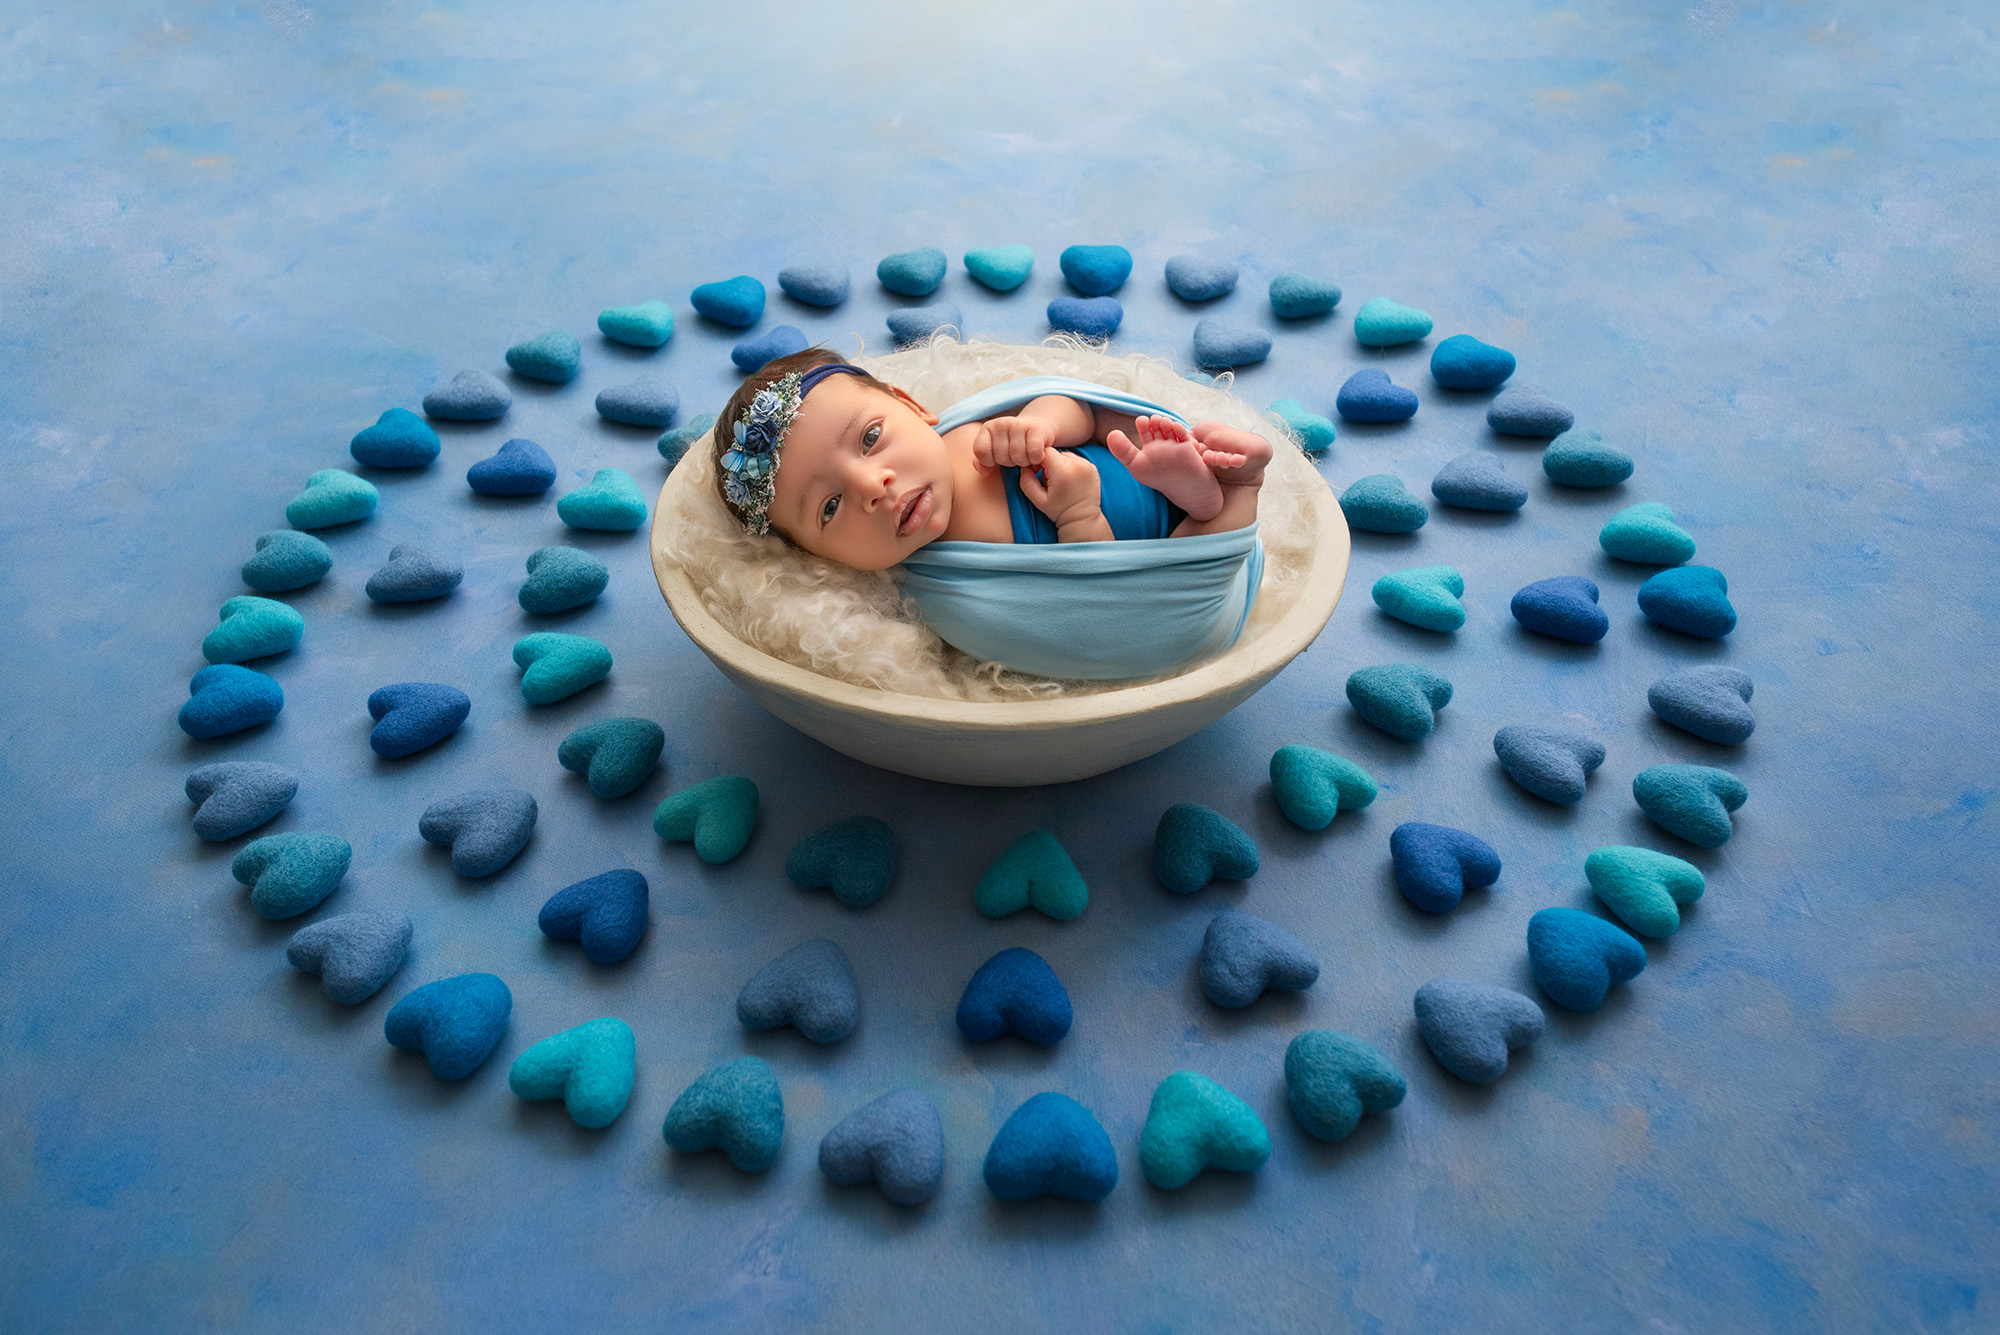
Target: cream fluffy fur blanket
<point>856,626</point>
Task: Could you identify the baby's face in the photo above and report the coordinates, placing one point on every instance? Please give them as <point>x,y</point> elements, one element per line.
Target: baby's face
<point>864,479</point>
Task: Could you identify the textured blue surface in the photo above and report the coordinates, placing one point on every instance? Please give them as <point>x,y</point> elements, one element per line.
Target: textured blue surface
<point>1751,246</point>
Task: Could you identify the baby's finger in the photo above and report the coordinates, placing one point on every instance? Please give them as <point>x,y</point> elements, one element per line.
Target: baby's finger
<point>1223,459</point>
<point>982,449</point>
<point>1034,489</point>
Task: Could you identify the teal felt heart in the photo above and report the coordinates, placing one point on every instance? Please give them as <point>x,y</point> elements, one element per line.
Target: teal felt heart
<point>1314,786</point>
<point>1645,888</point>
<point>1195,1123</point>
<point>1645,534</point>
<point>1425,596</point>
<point>646,325</point>
<point>251,628</point>
<point>615,755</point>
<point>1401,699</point>
<point>291,873</point>
<point>1692,801</point>
<point>1580,458</point>
<point>715,815</point>
<point>590,1068</point>
<point>559,665</point>
<point>331,497</point>
<point>1334,1079</point>
<point>1194,844</point>
<point>736,1106</point>
<point>1002,268</point>
<point>1314,433</point>
<point>1381,323</point>
<point>854,858</point>
<point>611,503</point>
<point>1035,873</point>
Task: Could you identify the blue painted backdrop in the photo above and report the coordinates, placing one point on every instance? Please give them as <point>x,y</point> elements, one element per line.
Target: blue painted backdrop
<point>1752,245</point>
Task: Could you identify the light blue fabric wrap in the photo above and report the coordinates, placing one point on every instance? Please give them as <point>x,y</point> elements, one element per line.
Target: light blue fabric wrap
<point>1099,611</point>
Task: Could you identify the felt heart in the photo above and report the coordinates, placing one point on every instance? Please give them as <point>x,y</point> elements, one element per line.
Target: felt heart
<point>1402,699</point>
<point>1470,1027</point>
<point>1580,458</point>
<point>1192,278</point>
<point>1370,396</point>
<point>1294,296</point>
<point>1643,887</point>
<point>236,796</point>
<point>354,954</point>
<point>554,357</point>
<point>647,401</point>
<point>781,341</point>
<point>1577,957</point>
<point>1711,701</point>
<point>615,755</point>
<point>557,666</point>
<point>472,396</point>
<point>611,503</point>
<point>896,1142</point>
<point>332,497</point>
<point>1051,1146</point>
<point>1314,786</point>
<point>1087,317</point>
<point>1646,534</point>
<point>854,858</point>
<point>1194,845</point>
<point>606,913</point>
<point>1015,992</point>
<point>414,574</point>
<point>815,284</point>
<point>737,302</point>
<point>412,715</point>
<point>1565,607</point>
<point>1379,503</point>
<point>715,815</point>
<point>1476,481</point>
<point>484,829</point>
<point>399,439</point>
<point>590,1068</point>
<point>1692,801</point>
<point>286,559</point>
<point>912,273</point>
<point>810,987</point>
<point>1035,873</point>
<point>647,325</point>
<point>1423,596</point>
<point>1194,1124</point>
<point>1218,343</point>
<point>1243,957</point>
<point>253,627</point>
<point>1552,763</point>
<point>1463,362</point>
<point>736,1106</point>
<point>455,1022</point>
<point>1381,323</point>
<point>1524,410</point>
<point>1096,270</point>
<point>289,874</point>
<point>1314,433</point>
<point>1002,268</point>
<point>226,698</point>
<point>560,578</point>
<point>1333,1080</point>
<point>916,324</point>
<point>676,443</point>
<point>1691,599</point>
<point>518,468</point>
<point>1435,864</point>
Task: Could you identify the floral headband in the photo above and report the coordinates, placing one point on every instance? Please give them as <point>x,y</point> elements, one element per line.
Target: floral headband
<point>751,465</point>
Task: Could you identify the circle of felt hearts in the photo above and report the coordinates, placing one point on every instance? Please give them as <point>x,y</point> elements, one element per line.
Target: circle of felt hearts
<point>1333,1080</point>
<point>1564,607</point>
<point>1692,801</point>
<point>224,698</point>
<point>1381,323</point>
<point>1463,362</point>
<point>234,797</point>
<point>1001,268</point>
<point>252,628</point>
<point>555,665</point>
<point>560,578</point>
<point>1554,764</point>
<point>854,858</point>
<point>485,829</point>
<point>1242,957</point>
<point>615,755</point>
<point>1693,600</point>
<point>518,468</point>
<point>1051,1146</point>
<point>1577,957</point>
<point>332,496</point>
<point>822,285</point>
<point>1402,699</point>
<point>471,396</point>
<point>287,559</point>
<point>1370,396</point>
<point>1087,317</point>
<point>399,439</point>
<point>1196,1124</point>
<point>289,874</point>
<point>605,913</point>
<point>414,574</point>
<point>412,715</point>
<point>554,357</point>
<point>736,1107</point>
<point>1644,887</point>
<point>896,1142</point>
<point>810,987</point>
<point>590,1068</point>
<point>1712,701</point>
<point>647,325</point>
<point>611,503</point>
<point>751,353</point>
<point>1379,503</point>
<point>1194,845</point>
<point>1580,458</point>
<point>716,815</point>
<point>455,1022</point>
<point>1036,872</point>
<point>1015,992</point>
<point>354,954</point>
<point>1470,1027</point>
<point>1435,864</point>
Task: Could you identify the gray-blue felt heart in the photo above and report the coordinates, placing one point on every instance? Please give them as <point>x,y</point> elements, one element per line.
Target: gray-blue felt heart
<point>896,1142</point>
<point>414,574</point>
<point>484,829</point>
<point>1242,957</point>
<point>810,987</point>
<point>1470,1026</point>
<point>236,796</point>
<point>353,953</point>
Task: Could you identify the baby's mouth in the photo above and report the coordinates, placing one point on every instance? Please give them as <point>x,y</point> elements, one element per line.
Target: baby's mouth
<point>914,514</point>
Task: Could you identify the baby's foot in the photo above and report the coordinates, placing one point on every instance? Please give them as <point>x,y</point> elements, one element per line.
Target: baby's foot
<point>1168,460</point>
<point>1237,457</point>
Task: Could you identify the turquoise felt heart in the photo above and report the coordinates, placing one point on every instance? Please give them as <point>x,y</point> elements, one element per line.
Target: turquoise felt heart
<point>854,858</point>
<point>1645,888</point>
<point>1334,1079</point>
<point>1002,268</point>
<point>1646,534</point>
<point>251,628</point>
<point>1580,458</point>
<point>611,503</point>
<point>291,873</point>
<point>1401,699</point>
<point>1380,503</point>
<point>1035,873</point>
<point>557,665</point>
<point>1195,1123</point>
<point>1381,323</point>
<point>1314,433</point>
<point>646,325</point>
<point>1692,801</point>
<point>615,755</point>
<point>736,1106</point>
<point>1314,786</point>
<point>590,1068</point>
<point>1424,596</point>
<point>715,815</point>
<point>331,497</point>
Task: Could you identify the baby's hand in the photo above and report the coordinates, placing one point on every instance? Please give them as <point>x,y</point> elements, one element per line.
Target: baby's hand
<point>1013,442</point>
<point>1066,490</point>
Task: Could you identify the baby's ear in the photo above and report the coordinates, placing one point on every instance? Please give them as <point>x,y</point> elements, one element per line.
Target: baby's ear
<point>930,418</point>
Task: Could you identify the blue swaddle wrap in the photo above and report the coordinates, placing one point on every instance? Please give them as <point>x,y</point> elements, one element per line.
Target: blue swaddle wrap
<point>1100,611</point>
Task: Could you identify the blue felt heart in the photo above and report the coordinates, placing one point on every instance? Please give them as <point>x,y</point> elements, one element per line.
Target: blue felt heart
<point>354,954</point>
<point>518,468</point>
<point>1370,396</point>
<point>1476,481</point>
<point>1435,864</point>
<point>1423,596</point>
<point>1402,699</point>
<point>810,987</point>
<point>736,1106</point>
<point>1332,1080</point>
<point>752,353</point>
<point>1524,410</point>
<point>590,1068</point>
<point>1088,317</point>
<point>484,828</point>
<point>647,401</point>
<point>854,858</point>
<point>1095,270</point>
<point>716,815</point>
<point>1463,362</point>
<point>253,628</point>
<point>1313,786</point>
<point>236,796</point>
<point>606,913</point>
<point>1552,763</point>
<point>287,559</point>
<point>820,285</point>
<point>554,357</point>
<point>912,273</point>
<point>399,439</point>
<point>472,396</point>
<point>225,698</point>
<point>737,302</point>
<point>412,715</point>
<point>455,1022</point>
<point>1218,344</point>
<point>560,578</point>
<point>1711,701</point>
<point>1691,599</point>
<point>1194,845</point>
<point>1577,957</point>
<point>1242,957</point>
<point>291,873</point>
<point>414,574</point>
<point>1051,1146</point>
<point>896,1142</point>
<point>615,755</point>
<point>1470,1027</point>
<point>1015,992</point>
<point>1193,278</point>
<point>1692,801</point>
<point>1565,607</point>
<point>916,324</point>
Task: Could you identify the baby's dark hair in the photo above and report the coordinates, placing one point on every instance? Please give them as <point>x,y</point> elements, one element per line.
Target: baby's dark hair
<point>765,376</point>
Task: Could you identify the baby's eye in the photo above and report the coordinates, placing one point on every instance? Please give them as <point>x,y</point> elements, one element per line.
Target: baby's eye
<point>871,437</point>
<point>826,510</point>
